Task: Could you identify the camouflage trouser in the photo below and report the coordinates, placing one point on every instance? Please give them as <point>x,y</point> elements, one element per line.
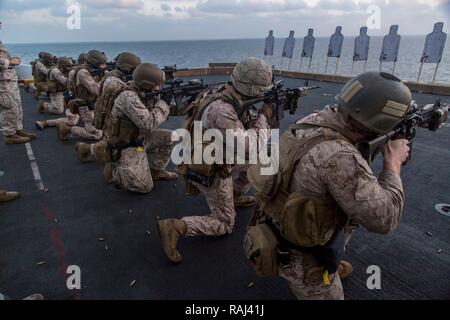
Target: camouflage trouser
<point>220,199</point>
<point>132,171</point>
<point>70,120</point>
<point>40,88</point>
<point>88,131</point>
<point>56,105</point>
<point>10,109</point>
<point>305,278</point>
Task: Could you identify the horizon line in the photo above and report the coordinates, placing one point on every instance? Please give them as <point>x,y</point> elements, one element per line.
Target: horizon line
<point>185,40</point>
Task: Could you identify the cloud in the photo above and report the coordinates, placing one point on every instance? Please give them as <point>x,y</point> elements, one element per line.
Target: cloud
<point>113,4</point>
<point>25,5</point>
<point>248,6</point>
<point>165,7</point>
<point>44,20</point>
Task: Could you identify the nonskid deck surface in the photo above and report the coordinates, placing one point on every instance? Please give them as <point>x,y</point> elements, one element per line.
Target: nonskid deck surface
<point>111,234</point>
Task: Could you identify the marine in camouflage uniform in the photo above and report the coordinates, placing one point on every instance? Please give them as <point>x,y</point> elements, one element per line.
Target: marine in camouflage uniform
<point>71,119</point>
<point>250,78</point>
<point>334,171</point>
<point>10,102</point>
<point>110,88</point>
<point>86,90</point>
<point>132,132</point>
<point>57,85</point>
<point>41,68</point>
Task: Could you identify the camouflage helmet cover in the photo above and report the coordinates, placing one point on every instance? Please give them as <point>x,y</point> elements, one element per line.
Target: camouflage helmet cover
<point>64,63</point>
<point>252,76</point>
<point>127,62</point>
<point>82,58</point>
<point>378,101</point>
<point>46,58</point>
<point>147,76</point>
<point>96,58</point>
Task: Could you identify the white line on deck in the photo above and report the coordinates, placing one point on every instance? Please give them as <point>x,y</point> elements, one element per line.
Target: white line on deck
<point>34,167</point>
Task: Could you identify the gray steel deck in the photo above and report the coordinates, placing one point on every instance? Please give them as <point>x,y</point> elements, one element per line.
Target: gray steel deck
<point>85,208</point>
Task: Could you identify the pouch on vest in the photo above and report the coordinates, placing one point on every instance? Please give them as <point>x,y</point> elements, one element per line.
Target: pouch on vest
<point>260,247</point>
<point>308,221</point>
<point>264,186</point>
<point>73,106</point>
<point>51,86</point>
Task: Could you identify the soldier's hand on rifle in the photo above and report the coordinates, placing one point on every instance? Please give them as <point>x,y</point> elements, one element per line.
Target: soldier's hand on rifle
<point>15,61</point>
<point>395,153</point>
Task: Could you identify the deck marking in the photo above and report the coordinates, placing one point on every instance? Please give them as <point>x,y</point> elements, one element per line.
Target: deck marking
<point>34,167</point>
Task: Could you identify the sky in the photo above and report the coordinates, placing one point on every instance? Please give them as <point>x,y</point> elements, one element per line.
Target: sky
<point>44,21</point>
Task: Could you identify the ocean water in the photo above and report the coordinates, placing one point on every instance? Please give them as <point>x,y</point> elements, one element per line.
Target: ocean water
<point>198,53</point>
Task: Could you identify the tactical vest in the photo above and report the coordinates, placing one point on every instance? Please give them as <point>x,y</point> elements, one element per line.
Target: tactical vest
<point>106,98</point>
<point>37,75</point>
<point>53,85</point>
<point>205,173</point>
<point>121,131</point>
<point>303,220</point>
<point>79,90</point>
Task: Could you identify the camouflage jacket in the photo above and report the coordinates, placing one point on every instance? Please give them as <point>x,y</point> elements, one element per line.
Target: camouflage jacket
<point>85,79</point>
<point>57,75</point>
<point>41,68</point>
<point>128,105</point>
<point>222,116</point>
<point>336,170</point>
<point>7,73</point>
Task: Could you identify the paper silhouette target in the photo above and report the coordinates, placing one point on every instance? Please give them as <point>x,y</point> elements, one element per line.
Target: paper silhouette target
<point>434,45</point>
<point>289,44</point>
<point>391,45</point>
<point>335,46</point>
<point>270,44</point>
<point>308,44</point>
<point>361,51</point>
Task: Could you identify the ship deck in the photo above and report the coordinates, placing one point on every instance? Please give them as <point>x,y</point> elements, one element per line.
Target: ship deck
<point>45,231</point>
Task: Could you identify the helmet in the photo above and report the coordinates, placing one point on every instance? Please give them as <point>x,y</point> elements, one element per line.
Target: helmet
<point>46,58</point>
<point>378,101</point>
<point>64,63</point>
<point>147,76</point>
<point>95,58</point>
<point>127,62</point>
<point>82,58</point>
<point>252,76</point>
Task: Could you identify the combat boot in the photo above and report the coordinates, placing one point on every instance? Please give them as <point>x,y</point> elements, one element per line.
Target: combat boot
<point>170,231</point>
<point>41,106</point>
<point>41,125</point>
<point>63,131</point>
<point>108,172</point>
<point>26,134</point>
<point>8,195</point>
<point>163,175</point>
<point>244,201</point>
<point>16,139</point>
<point>345,269</point>
<point>83,151</point>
